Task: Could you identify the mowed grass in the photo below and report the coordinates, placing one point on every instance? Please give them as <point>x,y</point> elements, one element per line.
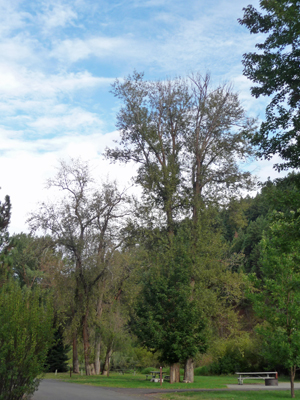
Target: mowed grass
<point>139,381</point>
<point>231,395</point>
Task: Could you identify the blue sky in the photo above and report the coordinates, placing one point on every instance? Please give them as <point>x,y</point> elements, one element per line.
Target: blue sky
<point>59,58</point>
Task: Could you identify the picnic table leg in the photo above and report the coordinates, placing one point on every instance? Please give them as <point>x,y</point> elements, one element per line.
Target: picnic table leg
<point>240,379</point>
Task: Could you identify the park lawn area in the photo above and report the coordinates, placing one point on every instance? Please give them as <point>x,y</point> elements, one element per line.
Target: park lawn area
<point>231,395</point>
<point>139,381</point>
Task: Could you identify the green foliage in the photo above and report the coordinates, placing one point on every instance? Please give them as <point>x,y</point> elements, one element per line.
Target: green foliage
<point>282,195</point>
<point>57,356</point>
<point>248,242</point>
<point>276,297</point>
<point>236,354</point>
<point>25,335</point>
<point>183,157</point>
<point>145,358</point>
<point>33,259</point>
<point>275,70</point>
<point>167,317</point>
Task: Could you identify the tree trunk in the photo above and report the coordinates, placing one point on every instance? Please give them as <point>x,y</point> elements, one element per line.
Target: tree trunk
<point>98,339</point>
<point>75,355</point>
<point>86,344</point>
<point>293,371</point>
<point>92,369</point>
<point>109,352</point>
<point>97,356</point>
<point>189,371</point>
<point>174,373</point>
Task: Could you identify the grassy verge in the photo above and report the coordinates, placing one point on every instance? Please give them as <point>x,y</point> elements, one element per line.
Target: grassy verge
<point>231,395</point>
<point>139,381</point>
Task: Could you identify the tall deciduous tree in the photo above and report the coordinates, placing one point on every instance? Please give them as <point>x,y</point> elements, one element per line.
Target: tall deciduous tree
<point>275,71</point>
<point>86,224</point>
<point>152,122</point>
<point>215,144</point>
<point>186,139</point>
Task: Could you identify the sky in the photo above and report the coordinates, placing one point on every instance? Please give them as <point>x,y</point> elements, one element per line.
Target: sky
<point>59,59</point>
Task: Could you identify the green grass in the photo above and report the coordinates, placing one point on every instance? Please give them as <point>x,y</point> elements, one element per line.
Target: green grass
<point>231,395</point>
<point>201,382</point>
<point>139,381</point>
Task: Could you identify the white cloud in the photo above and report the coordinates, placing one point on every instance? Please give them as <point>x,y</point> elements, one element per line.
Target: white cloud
<point>68,121</point>
<point>57,15</point>
<point>73,50</point>
<point>16,82</point>
<point>11,18</point>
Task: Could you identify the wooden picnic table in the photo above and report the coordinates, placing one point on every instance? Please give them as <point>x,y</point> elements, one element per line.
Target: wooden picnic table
<point>257,375</point>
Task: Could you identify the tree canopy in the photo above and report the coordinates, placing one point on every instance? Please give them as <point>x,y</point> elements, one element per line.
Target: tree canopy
<point>275,71</point>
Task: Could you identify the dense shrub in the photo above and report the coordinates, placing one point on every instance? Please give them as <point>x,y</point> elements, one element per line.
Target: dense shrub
<point>241,353</point>
<point>25,335</point>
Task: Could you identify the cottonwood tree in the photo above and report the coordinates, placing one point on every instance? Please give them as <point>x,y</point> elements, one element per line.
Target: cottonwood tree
<point>86,224</point>
<point>274,69</point>
<point>151,124</point>
<point>186,139</point>
<point>215,145</point>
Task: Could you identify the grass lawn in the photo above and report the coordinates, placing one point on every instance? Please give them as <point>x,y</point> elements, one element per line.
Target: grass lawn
<point>139,381</point>
<point>231,395</point>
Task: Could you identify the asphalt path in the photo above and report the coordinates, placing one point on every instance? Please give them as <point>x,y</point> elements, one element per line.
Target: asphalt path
<point>56,390</point>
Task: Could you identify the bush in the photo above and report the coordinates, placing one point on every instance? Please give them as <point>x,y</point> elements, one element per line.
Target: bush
<point>242,353</point>
<point>25,335</point>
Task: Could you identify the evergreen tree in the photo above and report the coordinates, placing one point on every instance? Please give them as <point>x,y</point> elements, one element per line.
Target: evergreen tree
<point>57,357</point>
<point>168,317</point>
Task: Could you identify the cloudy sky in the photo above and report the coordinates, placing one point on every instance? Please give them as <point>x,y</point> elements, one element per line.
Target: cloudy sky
<point>59,58</point>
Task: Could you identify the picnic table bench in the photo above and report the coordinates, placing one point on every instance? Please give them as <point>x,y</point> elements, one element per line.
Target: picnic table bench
<point>271,378</point>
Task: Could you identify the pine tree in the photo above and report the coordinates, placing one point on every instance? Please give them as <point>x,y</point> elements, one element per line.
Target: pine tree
<point>57,357</point>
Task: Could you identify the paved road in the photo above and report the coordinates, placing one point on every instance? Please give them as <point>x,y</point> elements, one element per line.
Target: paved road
<point>56,390</point>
